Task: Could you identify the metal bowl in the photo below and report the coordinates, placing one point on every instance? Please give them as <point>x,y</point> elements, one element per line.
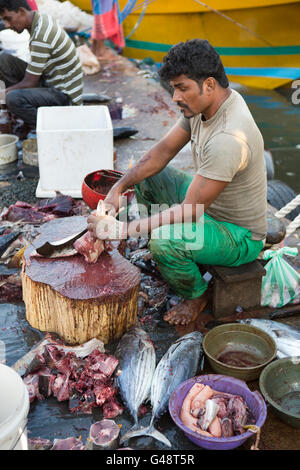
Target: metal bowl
<point>225,384</point>
<point>30,152</point>
<point>8,148</point>
<point>280,385</point>
<point>252,345</point>
<point>97,184</point>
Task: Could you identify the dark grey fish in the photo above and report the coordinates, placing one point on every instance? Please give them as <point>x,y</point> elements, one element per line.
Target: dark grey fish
<point>137,359</point>
<point>95,98</point>
<point>6,240</point>
<point>178,364</point>
<point>123,132</point>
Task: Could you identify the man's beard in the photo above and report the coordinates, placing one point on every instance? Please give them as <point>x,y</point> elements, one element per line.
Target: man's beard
<point>187,108</point>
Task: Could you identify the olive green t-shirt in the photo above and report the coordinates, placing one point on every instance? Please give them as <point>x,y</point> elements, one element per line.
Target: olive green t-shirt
<point>54,55</point>
<point>229,147</point>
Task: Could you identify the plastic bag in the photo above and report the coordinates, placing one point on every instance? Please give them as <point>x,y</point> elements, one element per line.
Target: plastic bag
<point>281,284</point>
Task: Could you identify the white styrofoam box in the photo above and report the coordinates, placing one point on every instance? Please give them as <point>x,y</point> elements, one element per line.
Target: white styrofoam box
<point>72,142</point>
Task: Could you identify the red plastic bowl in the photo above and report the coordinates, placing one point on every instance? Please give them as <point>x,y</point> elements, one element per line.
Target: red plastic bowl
<point>97,184</point>
<point>221,383</point>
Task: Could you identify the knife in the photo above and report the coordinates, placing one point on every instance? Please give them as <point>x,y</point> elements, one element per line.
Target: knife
<point>49,247</point>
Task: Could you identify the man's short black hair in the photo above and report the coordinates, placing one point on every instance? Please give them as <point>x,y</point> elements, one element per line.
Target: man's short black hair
<point>13,5</point>
<point>197,59</point>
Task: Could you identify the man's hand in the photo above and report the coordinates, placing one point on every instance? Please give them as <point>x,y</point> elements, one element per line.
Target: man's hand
<point>106,227</point>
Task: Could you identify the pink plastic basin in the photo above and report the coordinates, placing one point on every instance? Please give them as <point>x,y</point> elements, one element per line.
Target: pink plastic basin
<point>221,383</point>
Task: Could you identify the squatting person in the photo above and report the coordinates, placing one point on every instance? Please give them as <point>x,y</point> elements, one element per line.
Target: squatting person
<point>229,181</point>
<point>53,77</point>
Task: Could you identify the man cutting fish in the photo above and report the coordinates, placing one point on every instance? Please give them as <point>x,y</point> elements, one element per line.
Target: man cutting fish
<point>53,76</point>
<point>218,216</point>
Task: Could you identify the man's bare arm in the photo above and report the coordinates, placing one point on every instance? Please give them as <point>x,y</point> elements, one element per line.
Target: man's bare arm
<point>150,164</point>
<point>29,81</point>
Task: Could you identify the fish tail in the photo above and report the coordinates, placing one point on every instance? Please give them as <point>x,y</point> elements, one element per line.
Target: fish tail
<point>136,431</point>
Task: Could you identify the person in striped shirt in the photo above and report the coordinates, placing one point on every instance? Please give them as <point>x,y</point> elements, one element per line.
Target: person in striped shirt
<point>54,75</point>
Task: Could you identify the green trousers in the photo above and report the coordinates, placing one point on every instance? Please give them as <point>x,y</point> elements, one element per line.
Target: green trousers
<point>179,249</point>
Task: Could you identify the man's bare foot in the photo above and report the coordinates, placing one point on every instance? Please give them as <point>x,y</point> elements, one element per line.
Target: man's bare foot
<point>186,311</point>
<point>102,52</point>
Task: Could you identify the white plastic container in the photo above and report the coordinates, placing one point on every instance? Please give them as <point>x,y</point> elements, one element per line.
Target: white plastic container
<point>72,142</point>
<point>14,408</point>
<point>8,148</point>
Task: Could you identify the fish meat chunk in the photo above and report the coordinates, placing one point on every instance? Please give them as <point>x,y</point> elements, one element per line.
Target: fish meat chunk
<point>200,399</point>
<point>81,351</point>
<point>70,443</point>
<point>104,435</point>
<point>89,247</point>
<point>237,409</point>
<point>226,427</point>
<point>215,428</point>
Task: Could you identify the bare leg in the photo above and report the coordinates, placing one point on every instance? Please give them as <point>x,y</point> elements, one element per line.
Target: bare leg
<point>102,52</point>
<point>186,311</point>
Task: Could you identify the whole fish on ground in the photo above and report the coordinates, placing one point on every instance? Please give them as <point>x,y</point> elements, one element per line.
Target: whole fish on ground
<point>178,364</point>
<point>137,360</point>
<point>286,337</point>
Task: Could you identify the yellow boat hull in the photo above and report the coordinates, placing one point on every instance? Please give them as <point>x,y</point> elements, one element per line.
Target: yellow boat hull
<point>268,57</point>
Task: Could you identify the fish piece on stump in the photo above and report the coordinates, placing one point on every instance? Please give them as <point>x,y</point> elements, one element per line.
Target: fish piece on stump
<point>89,247</point>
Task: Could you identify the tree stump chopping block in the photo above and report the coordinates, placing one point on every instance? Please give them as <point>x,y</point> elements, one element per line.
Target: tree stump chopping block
<point>77,300</point>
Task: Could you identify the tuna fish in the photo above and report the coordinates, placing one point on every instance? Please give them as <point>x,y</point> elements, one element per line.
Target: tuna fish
<point>286,337</point>
<point>137,359</point>
<point>178,364</point>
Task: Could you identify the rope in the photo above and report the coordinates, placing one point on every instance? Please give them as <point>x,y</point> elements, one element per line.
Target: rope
<point>140,5</point>
<point>146,3</point>
<point>292,227</point>
<point>235,22</point>
<point>127,9</point>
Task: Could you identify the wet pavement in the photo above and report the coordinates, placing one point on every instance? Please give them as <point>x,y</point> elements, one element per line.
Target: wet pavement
<point>148,107</point>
